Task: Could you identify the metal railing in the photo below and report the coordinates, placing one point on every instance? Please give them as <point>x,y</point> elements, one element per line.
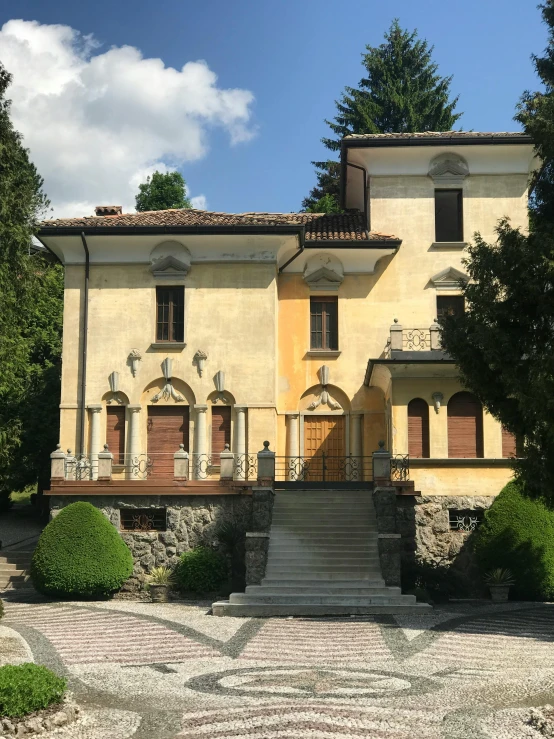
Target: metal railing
<point>81,467</point>
<point>245,467</point>
<point>324,468</point>
<point>400,467</point>
<point>416,339</point>
<point>201,466</point>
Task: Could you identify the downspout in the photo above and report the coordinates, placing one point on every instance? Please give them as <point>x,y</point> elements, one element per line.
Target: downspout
<point>296,254</point>
<point>84,351</point>
<point>366,213</point>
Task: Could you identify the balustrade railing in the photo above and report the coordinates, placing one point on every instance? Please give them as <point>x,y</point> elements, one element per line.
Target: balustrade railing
<point>245,467</point>
<point>416,339</point>
<point>141,466</point>
<point>81,467</point>
<point>324,468</point>
<point>400,467</point>
<point>413,339</point>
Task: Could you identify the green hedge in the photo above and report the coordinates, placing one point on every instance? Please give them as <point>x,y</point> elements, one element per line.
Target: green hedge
<point>518,533</point>
<point>80,553</point>
<point>27,688</point>
<point>201,570</point>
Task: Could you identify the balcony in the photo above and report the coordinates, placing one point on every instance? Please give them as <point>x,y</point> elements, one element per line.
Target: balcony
<point>406,341</point>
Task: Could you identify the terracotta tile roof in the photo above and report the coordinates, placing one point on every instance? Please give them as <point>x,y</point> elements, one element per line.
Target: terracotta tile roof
<point>434,135</point>
<point>318,226</point>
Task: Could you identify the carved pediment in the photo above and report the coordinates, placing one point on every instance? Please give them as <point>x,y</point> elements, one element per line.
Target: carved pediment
<point>448,169</point>
<point>170,268</point>
<point>449,279</point>
<point>324,279</point>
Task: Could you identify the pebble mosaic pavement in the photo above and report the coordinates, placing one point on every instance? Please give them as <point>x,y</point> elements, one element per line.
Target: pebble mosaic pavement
<point>465,671</point>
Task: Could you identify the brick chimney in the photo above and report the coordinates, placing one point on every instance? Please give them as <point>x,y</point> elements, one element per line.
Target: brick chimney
<point>108,210</point>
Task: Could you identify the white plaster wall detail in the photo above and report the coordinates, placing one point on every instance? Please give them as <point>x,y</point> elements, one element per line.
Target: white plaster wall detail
<point>324,397</point>
<point>200,360</point>
<point>168,391</point>
<point>134,358</point>
<point>449,279</point>
<point>219,381</point>
<point>324,272</point>
<point>113,380</point>
<point>448,169</point>
<point>170,260</point>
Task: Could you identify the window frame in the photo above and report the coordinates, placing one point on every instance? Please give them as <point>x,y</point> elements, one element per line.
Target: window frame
<point>448,297</point>
<point>326,317</point>
<point>460,213</point>
<point>172,303</point>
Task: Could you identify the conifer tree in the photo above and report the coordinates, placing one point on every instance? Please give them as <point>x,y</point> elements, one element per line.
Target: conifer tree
<point>504,344</point>
<point>400,92</point>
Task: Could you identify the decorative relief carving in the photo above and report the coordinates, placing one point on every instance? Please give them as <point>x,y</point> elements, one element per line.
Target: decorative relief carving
<point>449,279</point>
<point>219,381</point>
<point>324,397</point>
<point>448,169</point>
<point>113,379</point>
<point>168,391</point>
<point>134,358</point>
<point>323,272</point>
<point>200,360</point>
<point>170,260</point>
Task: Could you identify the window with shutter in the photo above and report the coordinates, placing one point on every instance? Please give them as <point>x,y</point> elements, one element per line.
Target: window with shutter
<point>115,433</point>
<point>465,426</point>
<point>324,323</point>
<point>509,444</point>
<point>449,215</point>
<point>170,314</point>
<point>168,427</point>
<point>450,305</point>
<point>418,428</point>
<point>221,432</point>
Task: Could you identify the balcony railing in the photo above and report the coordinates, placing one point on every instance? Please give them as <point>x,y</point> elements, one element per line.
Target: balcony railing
<point>413,339</point>
<point>324,468</point>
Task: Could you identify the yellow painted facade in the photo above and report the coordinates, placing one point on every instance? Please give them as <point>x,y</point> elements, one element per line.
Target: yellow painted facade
<point>253,322</point>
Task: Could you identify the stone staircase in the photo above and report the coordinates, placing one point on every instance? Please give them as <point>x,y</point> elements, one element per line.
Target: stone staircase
<point>323,560</point>
<point>14,570</point>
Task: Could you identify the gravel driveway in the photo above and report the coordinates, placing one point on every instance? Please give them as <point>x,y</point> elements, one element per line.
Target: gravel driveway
<point>166,671</point>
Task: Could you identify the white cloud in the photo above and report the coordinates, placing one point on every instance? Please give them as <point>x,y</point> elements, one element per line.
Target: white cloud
<point>199,202</point>
<point>98,123</point>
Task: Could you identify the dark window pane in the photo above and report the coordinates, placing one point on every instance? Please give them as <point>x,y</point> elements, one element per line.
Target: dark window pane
<point>323,324</point>
<point>450,305</point>
<point>170,314</point>
<point>448,215</point>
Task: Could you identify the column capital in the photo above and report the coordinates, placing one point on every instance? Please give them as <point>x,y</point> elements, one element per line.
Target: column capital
<point>200,408</point>
<point>357,413</point>
<point>292,414</point>
<point>241,408</point>
<point>95,408</point>
<point>134,408</point>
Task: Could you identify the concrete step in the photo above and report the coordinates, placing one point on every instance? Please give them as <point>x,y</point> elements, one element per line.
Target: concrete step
<point>323,588</point>
<point>298,583</point>
<point>323,599</point>
<point>13,582</point>
<point>7,572</point>
<point>286,548</point>
<point>265,610</point>
<point>11,567</point>
<point>344,560</point>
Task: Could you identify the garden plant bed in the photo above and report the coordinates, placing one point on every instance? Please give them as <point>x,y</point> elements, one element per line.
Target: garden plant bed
<point>47,719</point>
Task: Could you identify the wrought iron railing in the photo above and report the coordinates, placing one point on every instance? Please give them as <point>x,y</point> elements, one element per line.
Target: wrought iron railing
<point>201,466</point>
<point>324,468</point>
<point>81,467</point>
<point>416,339</point>
<point>245,467</point>
<point>138,466</point>
<point>400,467</point>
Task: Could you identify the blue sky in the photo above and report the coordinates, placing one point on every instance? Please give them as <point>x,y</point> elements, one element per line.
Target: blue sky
<point>295,57</point>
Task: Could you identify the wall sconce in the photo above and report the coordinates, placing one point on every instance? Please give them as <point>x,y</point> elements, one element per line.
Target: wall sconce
<point>437,400</point>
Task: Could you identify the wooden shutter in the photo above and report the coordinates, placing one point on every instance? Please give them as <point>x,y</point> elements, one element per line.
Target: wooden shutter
<point>465,426</point>
<point>418,428</point>
<point>509,445</point>
<point>221,431</point>
<point>115,433</point>
<point>168,426</point>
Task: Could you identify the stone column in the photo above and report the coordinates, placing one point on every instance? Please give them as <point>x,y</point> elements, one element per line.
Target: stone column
<point>292,444</point>
<point>134,440</point>
<point>356,421</point>
<point>95,411</point>
<point>240,441</point>
<point>200,447</point>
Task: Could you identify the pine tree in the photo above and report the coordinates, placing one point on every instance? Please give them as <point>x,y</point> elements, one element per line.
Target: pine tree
<point>31,290</point>
<point>163,191</point>
<point>401,92</point>
<point>504,344</point>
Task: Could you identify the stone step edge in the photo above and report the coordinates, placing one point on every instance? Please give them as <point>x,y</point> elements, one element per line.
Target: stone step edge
<point>224,608</point>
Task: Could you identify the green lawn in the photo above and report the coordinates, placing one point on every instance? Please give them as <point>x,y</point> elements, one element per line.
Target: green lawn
<point>25,496</point>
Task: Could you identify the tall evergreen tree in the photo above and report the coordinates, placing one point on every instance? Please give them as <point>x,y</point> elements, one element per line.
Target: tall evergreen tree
<point>401,92</point>
<point>30,317</point>
<point>504,344</point>
<point>163,191</point>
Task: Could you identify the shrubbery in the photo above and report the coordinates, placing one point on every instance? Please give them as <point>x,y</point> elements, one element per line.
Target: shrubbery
<point>80,553</point>
<point>27,688</point>
<point>518,533</point>
<point>1,608</point>
<point>201,570</point>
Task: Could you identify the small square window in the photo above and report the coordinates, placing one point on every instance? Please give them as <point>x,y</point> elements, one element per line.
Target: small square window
<point>465,521</point>
<point>449,224</point>
<point>143,519</point>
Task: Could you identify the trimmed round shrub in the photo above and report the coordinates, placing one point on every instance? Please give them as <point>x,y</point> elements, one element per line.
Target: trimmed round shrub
<point>201,570</point>
<point>80,553</point>
<point>27,688</point>
<point>518,533</point>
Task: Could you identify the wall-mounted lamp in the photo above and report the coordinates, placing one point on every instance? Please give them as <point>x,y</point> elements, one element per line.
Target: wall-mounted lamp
<point>437,400</point>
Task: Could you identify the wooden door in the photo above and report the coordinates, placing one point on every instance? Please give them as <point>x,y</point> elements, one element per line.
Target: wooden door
<point>325,445</point>
<point>221,432</point>
<point>465,426</point>
<point>418,428</point>
<point>168,426</point>
<point>115,433</point>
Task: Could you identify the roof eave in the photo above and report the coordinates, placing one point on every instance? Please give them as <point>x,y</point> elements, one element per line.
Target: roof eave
<point>385,142</point>
<point>254,229</point>
<point>354,244</point>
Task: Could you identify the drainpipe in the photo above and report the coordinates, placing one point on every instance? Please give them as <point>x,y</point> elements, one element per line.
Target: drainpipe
<point>366,214</point>
<point>84,354</point>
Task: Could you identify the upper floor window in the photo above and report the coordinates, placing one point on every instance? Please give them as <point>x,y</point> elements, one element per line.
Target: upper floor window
<point>324,323</point>
<point>449,224</point>
<point>450,305</point>
<point>170,314</point>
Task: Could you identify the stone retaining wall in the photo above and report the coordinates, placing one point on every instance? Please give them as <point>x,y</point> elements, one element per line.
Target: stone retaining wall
<point>192,521</point>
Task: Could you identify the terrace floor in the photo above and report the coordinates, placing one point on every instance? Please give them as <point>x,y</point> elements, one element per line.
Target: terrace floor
<point>165,671</point>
